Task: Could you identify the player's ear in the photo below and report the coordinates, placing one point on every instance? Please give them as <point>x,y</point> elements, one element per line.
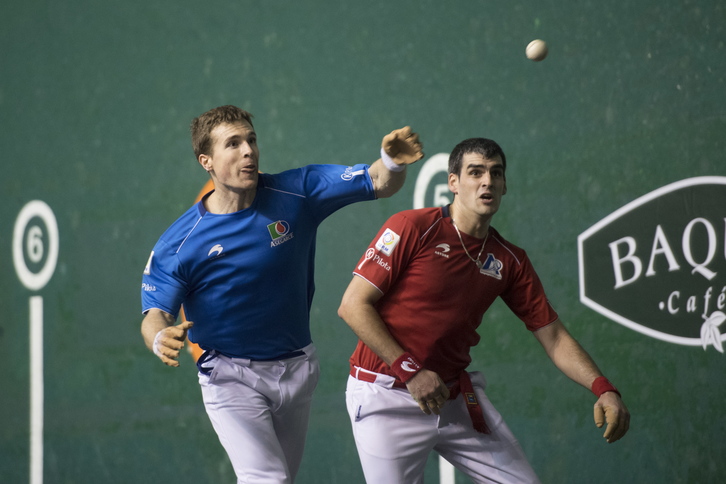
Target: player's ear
<point>453,183</point>
<point>205,161</point>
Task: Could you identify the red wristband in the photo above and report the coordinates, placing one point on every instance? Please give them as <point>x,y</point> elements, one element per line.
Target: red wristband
<point>405,367</point>
<point>602,385</point>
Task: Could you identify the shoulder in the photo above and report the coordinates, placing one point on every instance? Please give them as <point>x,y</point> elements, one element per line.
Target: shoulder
<point>415,222</point>
<point>186,221</point>
<point>519,254</point>
<point>277,180</point>
<point>423,217</point>
<point>177,232</point>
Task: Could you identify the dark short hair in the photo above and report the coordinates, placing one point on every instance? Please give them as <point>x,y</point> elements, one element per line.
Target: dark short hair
<point>202,126</point>
<point>487,148</point>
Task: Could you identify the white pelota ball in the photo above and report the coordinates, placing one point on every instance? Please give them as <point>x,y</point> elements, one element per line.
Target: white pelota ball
<point>536,50</point>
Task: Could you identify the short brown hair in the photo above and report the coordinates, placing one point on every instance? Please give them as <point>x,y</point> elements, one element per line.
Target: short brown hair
<point>202,126</point>
<point>482,146</point>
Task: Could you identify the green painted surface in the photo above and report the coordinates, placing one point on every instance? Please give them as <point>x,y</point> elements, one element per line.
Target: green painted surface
<point>95,102</point>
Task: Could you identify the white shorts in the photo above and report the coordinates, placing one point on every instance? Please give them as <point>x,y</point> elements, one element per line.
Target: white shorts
<point>394,437</point>
<point>260,411</point>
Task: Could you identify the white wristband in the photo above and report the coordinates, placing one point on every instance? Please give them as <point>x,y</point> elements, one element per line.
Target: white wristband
<point>156,343</point>
<point>390,164</point>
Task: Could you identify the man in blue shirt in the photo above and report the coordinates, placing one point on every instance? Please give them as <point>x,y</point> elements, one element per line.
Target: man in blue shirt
<point>241,262</point>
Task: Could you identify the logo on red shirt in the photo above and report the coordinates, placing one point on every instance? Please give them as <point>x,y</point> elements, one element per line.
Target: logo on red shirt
<point>387,242</point>
<point>492,267</point>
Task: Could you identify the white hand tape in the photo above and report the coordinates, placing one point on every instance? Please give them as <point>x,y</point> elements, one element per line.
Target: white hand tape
<point>156,343</point>
<point>389,163</point>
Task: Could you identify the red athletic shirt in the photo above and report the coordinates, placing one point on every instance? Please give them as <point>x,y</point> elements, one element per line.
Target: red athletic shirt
<point>434,296</point>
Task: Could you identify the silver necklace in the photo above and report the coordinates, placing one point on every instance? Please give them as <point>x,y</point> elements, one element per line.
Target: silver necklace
<point>476,261</point>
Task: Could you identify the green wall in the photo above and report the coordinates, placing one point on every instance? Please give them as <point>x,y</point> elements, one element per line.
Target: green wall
<point>95,103</point>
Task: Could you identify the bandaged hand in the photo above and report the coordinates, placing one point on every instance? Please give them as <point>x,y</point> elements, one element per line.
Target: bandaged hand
<point>429,391</point>
<point>402,146</point>
<point>169,341</point>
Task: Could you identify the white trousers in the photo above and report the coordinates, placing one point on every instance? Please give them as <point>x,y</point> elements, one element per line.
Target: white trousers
<point>260,411</point>
<point>394,437</point>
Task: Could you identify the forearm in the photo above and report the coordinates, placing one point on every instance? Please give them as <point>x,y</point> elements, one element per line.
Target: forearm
<point>358,310</point>
<point>568,356</point>
<point>386,182</point>
<point>366,323</point>
<point>575,362</point>
<point>154,321</point>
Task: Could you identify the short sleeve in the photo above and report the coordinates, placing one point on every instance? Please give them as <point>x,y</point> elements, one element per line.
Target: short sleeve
<point>162,285</point>
<point>527,299</point>
<point>332,187</point>
<point>389,253</point>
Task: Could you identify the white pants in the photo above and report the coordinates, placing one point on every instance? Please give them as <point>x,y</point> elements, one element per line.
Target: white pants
<point>260,411</point>
<point>394,437</point>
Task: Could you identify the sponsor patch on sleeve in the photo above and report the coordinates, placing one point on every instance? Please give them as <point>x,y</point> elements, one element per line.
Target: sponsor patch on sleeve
<point>147,269</point>
<point>387,242</point>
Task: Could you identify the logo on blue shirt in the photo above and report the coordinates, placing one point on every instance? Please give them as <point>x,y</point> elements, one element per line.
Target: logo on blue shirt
<point>279,232</point>
<point>348,174</point>
<point>216,250</point>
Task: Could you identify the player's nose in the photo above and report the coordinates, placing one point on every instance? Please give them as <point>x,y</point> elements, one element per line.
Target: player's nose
<point>486,179</point>
<point>246,148</point>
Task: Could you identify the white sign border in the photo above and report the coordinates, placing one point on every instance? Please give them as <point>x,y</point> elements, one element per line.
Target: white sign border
<point>688,182</point>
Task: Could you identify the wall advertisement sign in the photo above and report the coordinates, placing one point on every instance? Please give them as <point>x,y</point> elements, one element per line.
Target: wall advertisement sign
<point>658,264</point>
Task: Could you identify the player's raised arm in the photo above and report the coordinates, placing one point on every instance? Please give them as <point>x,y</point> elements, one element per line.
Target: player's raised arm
<point>162,337</point>
<point>567,354</point>
<point>399,148</point>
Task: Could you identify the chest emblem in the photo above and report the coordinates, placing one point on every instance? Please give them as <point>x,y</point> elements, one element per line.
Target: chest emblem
<point>216,250</point>
<point>279,232</point>
<point>443,250</point>
<point>492,267</point>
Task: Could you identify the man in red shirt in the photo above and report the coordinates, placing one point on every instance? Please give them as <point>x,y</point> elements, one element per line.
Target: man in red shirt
<point>415,301</point>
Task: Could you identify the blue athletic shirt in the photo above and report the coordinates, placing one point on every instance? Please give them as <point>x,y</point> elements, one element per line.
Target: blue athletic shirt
<point>246,278</point>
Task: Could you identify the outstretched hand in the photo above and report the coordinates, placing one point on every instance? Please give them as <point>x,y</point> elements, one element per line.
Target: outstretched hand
<point>403,146</point>
<point>610,409</point>
<point>169,341</point>
<point>429,391</point>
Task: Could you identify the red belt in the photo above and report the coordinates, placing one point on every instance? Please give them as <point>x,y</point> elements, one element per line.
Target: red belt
<point>370,377</point>
<point>463,386</point>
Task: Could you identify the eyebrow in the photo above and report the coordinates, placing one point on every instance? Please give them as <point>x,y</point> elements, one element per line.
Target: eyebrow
<point>239,136</point>
<point>481,165</point>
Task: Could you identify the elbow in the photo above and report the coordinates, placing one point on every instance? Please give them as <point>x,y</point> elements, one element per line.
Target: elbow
<point>386,192</point>
<point>348,309</point>
<point>385,182</point>
<point>343,311</point>
<point>390,188</point>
